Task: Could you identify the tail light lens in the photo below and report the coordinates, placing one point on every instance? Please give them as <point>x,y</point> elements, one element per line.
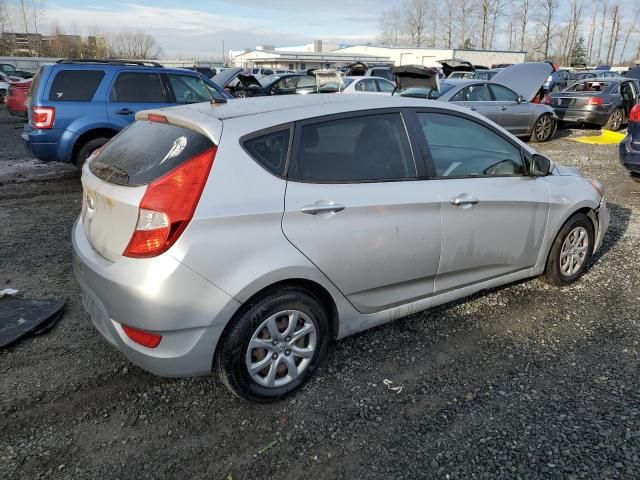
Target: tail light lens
<point>634,115</point>
<point>168,205</point>
<point>42,118</point>
<point>595,101</point>
<point>146,339</point>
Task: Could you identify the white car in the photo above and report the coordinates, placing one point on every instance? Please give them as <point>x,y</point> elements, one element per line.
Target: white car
<point>368,85</point>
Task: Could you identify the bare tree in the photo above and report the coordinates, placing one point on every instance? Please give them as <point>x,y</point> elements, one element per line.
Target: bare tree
<point>416,12</point>
<point>485,12</point>
<point>615,30</point>
<point>605,5</point>
<point>594,14</point>
<point>449,16</point>
<point>465,21</point>
<point>524,20</point>
<point>549,10</point>
<point>631,29</point>
<point>390,27</point>
<point>134,44</point>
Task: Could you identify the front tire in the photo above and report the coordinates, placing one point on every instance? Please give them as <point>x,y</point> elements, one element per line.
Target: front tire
<point>274,346</point>
<point>544,128</point>
<point>571,251</point>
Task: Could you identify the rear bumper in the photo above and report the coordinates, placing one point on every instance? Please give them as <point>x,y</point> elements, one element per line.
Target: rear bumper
<point>630,155</point>
<point>158,295</point>
<point>582,116</point>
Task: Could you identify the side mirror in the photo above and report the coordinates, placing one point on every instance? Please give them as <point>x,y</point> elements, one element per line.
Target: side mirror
<point>521,99</point>
<point>540,166</point>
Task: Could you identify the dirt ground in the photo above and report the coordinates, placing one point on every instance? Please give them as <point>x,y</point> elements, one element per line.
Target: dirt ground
<point>526,381</point>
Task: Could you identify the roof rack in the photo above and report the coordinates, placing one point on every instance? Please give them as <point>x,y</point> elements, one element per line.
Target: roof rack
<point>140,63</point>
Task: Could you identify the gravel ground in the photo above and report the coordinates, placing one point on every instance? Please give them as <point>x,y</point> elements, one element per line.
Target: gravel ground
<point>526,381</point>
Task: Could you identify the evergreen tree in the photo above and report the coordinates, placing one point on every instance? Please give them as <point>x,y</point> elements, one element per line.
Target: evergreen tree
<point>579,53</point>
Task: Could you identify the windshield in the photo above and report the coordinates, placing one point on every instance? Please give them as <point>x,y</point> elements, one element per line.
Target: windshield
<point>268,80</point>
<point>7,68</point>
<point>445,87</point>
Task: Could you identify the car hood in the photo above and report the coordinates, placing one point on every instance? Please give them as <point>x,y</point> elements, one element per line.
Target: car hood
<point>564,171</point>
<point>633,73</point>
<point>454,65</point>
<point>225,78</point>
<point>408,76</point>
<point>525,79</point>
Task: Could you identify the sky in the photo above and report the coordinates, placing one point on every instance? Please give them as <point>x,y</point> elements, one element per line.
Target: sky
<point>197,28</point>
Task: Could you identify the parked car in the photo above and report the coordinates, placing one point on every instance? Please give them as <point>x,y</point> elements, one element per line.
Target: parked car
<point>630,146</point>
<point>4,88</point>
<point>487,74</point>
<point>416,81</point>
<point>12,71</point>
<point>310,219</point>
<point>260,72</point>
<point>360,69</point>
<point>240,85</point>
<point>454,68</point>
<point>606,102</point>
<point>76,106</point>
<point>506,100</point>
<point>16,99</point>
<point>557,80</point>
<point>368,86</point>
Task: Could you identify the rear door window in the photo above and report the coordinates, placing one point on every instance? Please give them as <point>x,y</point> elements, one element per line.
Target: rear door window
<point>358,149</point>
<point>145,151</point>
<point>134,87</point>
<point>75,85</point>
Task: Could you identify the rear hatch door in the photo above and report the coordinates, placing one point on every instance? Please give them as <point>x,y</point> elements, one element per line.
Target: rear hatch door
<point>114,180</point>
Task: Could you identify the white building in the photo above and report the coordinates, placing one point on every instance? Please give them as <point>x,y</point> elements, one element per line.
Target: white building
<point>429,56</point>
<point>324,55</point>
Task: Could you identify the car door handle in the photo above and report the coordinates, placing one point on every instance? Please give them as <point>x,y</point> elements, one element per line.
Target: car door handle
<point>503,108</point>
<point>125,111</point>
<point>464,200</point>
<point>322,207</point>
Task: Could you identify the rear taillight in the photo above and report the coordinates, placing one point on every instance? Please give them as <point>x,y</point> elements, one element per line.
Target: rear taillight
<point>146,339</point>
<point>168,205</point>
<point>595,101</point>
<point>42,118</point>
<point>634,115</point>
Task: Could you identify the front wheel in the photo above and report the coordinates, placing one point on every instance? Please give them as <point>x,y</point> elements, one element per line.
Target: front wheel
<point>571,251</point>
<point>543,128</point>
<point>274,346</point>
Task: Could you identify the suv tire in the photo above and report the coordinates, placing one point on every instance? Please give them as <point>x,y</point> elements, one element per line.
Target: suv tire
<point>256,325</point>
<point>87,149</point>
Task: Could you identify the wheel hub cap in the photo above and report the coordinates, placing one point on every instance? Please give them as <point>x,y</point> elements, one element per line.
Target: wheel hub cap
<point>281,348</point>
<point>574,251</point>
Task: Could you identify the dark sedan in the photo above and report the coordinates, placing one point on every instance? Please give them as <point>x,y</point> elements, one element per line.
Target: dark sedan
<point>630,146</point>
<point>604,102</point>
<point>241,85</point>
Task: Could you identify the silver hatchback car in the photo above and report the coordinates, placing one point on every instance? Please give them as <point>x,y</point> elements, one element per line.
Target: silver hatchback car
<point>245,237</point>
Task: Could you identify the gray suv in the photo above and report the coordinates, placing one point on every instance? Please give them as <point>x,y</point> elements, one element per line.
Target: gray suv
<point>244,237</point>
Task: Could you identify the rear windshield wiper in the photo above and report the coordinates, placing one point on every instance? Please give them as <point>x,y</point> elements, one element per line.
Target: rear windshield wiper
<point>108,171</point>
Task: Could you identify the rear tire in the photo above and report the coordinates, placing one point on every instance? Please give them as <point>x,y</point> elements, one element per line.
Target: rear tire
<point>635,176</point>
<point>291,330</point>
<point>87,149</point>
<point>571,251</point>
<point>544,128</point>
<point>615,121</point>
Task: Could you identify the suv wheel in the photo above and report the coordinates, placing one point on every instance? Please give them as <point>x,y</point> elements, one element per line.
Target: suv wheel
<point>571,251</point>
<point>87,149</point>
<point>274,346</point>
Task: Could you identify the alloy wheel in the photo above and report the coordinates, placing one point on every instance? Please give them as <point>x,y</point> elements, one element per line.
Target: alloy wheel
<point>543,128</point>
<point>574,251</point>
<point>617,120</point>
<point>281,348</point>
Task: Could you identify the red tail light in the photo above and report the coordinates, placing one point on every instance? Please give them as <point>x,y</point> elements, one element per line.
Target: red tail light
<point>168,205</point>
<point>634,115</point>
<point>146,339</point>
<point>595,101</point>
<point>42,118</point>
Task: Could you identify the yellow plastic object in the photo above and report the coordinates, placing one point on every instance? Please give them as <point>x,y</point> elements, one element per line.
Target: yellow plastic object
<point>606,138</point>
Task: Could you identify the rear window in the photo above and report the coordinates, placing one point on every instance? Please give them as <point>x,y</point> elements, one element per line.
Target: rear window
<point>145,151</point>
<point>75,85</point>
